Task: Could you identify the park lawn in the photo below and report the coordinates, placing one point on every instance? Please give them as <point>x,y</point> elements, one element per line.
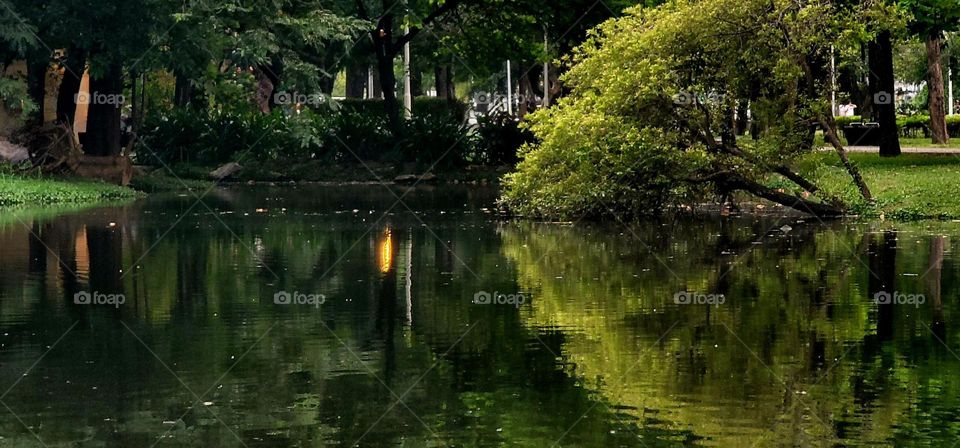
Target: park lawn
<point>908,187</point>
<point>29,190</point>
<point>921,142</point>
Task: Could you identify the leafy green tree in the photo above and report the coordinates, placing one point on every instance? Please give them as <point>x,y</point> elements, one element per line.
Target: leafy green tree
<point>648,122</point>
<point>16,40</point>
<point>931,19</point>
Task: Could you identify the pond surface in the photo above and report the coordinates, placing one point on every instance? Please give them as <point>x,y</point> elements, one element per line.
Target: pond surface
<point>381,342</point>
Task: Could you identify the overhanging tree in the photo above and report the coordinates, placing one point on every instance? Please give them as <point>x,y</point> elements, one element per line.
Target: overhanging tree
<point>648,121</point>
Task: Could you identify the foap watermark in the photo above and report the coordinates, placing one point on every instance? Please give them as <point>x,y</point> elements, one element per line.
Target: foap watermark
<point>298,298</point>
<point>497,298</point>
<point>97,98</point>
<point>99,298</point>
<point>899,298</point>
<point>293,99</point>
<point>490,98</point>
<point>685,98</point>
<point>695,298</point>
<point>883,98</point>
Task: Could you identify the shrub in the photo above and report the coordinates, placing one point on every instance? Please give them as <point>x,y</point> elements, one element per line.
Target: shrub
<point>358,129</point>
<point>499,139</point>
<point>436,139</point>
<point>846,121</point>
<point>188,135</point>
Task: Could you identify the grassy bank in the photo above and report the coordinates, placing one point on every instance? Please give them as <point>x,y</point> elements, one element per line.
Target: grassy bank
<point>24,190</point>
<point>908,187</point>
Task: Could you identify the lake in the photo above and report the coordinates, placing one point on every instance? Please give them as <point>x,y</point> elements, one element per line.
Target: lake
<point>308,316</point>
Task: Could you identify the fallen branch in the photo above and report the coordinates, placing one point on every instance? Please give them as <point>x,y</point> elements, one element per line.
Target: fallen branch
<point>830,131</point>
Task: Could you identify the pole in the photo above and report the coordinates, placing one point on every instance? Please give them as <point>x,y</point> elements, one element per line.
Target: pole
<point>833,83</point>
<point>369,82</point>
<point>407,94</point>
<point>950,88</point>
<point>546,70</point>
<point>509,90</point>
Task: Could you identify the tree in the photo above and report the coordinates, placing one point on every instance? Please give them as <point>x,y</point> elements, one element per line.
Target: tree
<point>388,42</point>
<point>931,19</point>
<point>16,41</point>
<point>648,121</point>
<point>883,91</point>
<point>284,44</point>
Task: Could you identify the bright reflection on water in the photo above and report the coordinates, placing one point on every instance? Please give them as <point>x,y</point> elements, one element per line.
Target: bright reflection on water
<point>597,354</point>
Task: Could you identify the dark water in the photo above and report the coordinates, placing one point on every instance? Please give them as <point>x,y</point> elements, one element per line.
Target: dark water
<point>597,355</point>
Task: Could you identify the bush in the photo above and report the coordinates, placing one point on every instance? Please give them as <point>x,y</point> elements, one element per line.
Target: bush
<point>846,121</point>
<point>358,129</point>
<point>438,139</point>
<point>911,125</point>
<point>499,139</point>
<point>187,135</point>
<point>421,106</point>
<point>360,132</point>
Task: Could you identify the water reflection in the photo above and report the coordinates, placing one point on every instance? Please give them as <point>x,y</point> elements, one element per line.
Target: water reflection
<point>601,355</point>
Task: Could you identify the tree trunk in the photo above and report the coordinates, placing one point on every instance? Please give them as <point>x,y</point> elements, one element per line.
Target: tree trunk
<point>440,79</point>
<point>73,68</point>
<point>416,83</point>
<point>882,88</point>
<point>830,132</point>
<point>103,116</point>
<point>938,117</point>
<point>525,92</point>
<point>356,80</point>
<point>383,44</point>
<point>37,81</point>
<point>182,91</point>
<point>817,209</point>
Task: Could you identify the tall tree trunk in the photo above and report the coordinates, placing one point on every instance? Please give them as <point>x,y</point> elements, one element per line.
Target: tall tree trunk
<point>356,80</point>
<point>73,68</point>
<point>938,117</point>
<point>37,66</point>
<point>882,87</point>
<point>416,83</point>
<point>525,89</point>
<point>383,44</point>
<point>103,119</point>
<point>443,76</point>
<point>182,91</point>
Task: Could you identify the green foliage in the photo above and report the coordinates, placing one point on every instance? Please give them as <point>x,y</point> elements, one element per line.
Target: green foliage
<point>932,16</point>
<point>19,189</point>
<point>912,124</point>
<point>435,140</point>
<point>650,95</point>
<point>214,136</point>
<point>353,132</point>
<point>499,140</point>
<point>846,121</point>
<point>14,97</point>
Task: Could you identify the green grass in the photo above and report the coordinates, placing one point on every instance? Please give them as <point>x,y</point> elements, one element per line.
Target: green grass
<point>908,187</point>
<point>920,142</point>
<point>29,190</point>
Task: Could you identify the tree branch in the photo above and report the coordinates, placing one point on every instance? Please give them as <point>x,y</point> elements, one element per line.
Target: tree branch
<point>447,6</point>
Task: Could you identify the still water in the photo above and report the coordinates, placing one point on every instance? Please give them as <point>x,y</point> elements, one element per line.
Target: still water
<point>320,316</point>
